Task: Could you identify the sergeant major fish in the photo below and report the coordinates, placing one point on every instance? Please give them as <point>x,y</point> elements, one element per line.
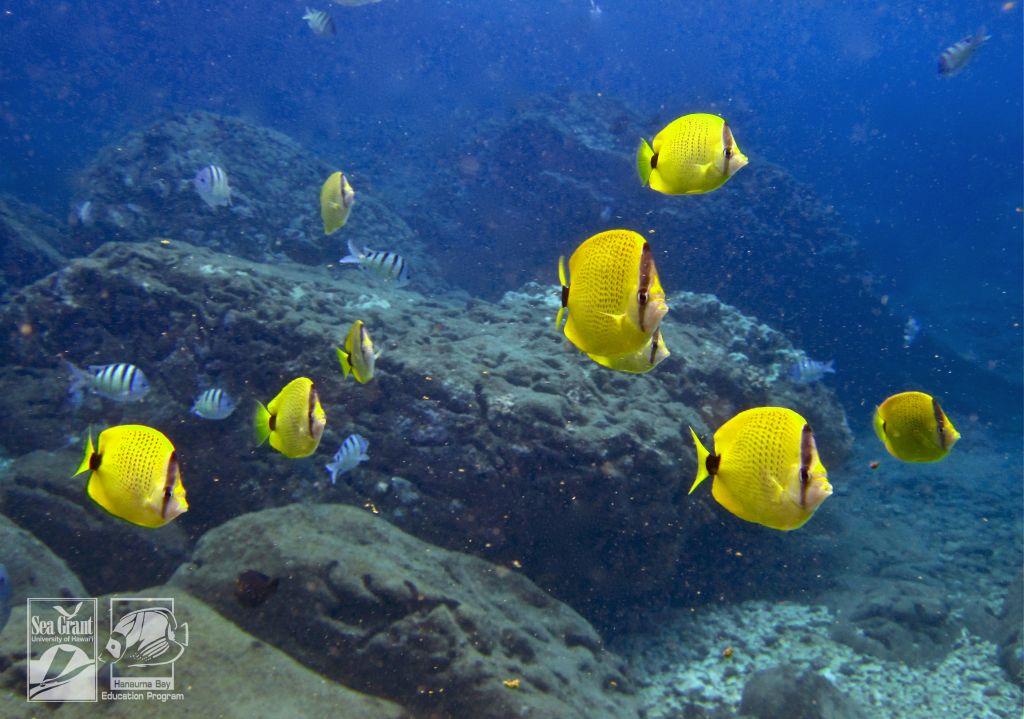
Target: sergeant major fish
<point>211,183</point>
<point>121,382</point>
<point>954,58</point>
<point>809,371</point>
<point>213,403</point>
<point>349,455</point>
<point>320,22</point>
<point>389,265</point>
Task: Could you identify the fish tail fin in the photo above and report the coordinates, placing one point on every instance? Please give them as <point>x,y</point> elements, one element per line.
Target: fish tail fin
<point>644,153</point>
<point>702,462</point>
<point>261,422</point>
<point>354,256</point>
<point>90,452</point>
<point>346,362</point>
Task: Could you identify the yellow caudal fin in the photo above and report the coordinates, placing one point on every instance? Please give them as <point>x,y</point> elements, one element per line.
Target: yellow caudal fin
<point>90,451</point>
<point>346,362</point>
<point>644,153</point>
<point>261,422</point>
<point>702,462</point>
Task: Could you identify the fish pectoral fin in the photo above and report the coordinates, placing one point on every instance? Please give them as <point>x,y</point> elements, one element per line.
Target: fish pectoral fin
<point>619,318</point>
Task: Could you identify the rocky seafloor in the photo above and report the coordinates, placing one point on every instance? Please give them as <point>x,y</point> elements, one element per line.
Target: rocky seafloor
<point>521,505</point>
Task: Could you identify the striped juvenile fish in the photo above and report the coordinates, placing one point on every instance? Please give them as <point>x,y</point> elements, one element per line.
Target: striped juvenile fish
<point>120,382</point>
<point>320,22</point>
<point>214,403</point>
<point>388,265</point>
<point>351,452</point>
<point>809,371</point>
<point>211,182</point>
<point>954,58</point>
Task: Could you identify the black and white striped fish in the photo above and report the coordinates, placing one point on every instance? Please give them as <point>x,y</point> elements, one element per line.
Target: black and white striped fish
<point>214,403</point>
<point>121,382</point>
<point>320,22</point>
<point>211,182</point>
<point>389,265</point>
<point>954,58</point>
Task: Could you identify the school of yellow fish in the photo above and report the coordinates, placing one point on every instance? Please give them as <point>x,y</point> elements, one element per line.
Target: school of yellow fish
<point>765,467</point>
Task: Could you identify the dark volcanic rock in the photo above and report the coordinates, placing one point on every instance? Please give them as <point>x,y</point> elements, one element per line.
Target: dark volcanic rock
<point>1011,633</point>
<point>784,692</point>
<point>488,433</point>
<point>30,243</point>
<point>898,620</point>
<point>34,570</point>
<point>140,187</point>
<point>375,609</point>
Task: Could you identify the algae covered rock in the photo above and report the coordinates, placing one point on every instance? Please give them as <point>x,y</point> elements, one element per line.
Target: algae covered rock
<point>488,433</point>
<point>784,691</point>
<point>222,666</point>
<point>439,632</point>
<point>33,569</point>
<point>31,244</point>
<point>141,187</point>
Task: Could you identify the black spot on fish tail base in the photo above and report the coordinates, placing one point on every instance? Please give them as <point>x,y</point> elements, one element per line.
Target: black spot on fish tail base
<point>806,457</point>
<point>940,422</point>
<point>565,296</point>
<point>712,463</point>
<point>312,406</point>
<point>272,422</point>
<point>654,161</point>
<point>169,480</point>
<point>94,461</point>
<point>644,283</point>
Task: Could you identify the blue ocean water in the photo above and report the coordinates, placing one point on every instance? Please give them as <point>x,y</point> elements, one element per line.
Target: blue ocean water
<point>925,172</point>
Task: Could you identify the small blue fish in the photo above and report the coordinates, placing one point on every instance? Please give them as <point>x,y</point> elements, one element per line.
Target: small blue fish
<point>211,182</point>
<point>121,382</point>
<point>213,403</point>
<point>348,456</point>
<point>809,371</point>
<point>910,331</point>
<point>5,597</point>
<point>388,265</point>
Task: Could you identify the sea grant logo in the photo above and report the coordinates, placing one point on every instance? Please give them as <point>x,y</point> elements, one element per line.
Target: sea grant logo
<point>145,641</point>
<point>61,648</point>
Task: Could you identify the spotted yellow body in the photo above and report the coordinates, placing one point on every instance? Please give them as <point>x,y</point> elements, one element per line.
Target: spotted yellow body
<point>135,475</point>
<point>293,421</point>
<point>913,427</point>
<point>693,154</point>
<point>766,468</point>
<point>615,300</point>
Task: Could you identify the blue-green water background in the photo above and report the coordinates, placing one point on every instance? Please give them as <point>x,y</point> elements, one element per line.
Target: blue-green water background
<point>925,171</point>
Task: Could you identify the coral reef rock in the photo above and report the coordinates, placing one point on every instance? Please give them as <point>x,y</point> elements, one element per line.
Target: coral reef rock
<point>488,432</point>
<point>141,187</point>
<point>33,569</point>
<point>898,620</point>
<point>1011,634</point>
<point>30,243</point>
<point>784,691</point>
<point>222,666</point>
<point>441,633</point>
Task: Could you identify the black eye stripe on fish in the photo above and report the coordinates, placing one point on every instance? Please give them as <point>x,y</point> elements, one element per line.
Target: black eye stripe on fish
<point>311,409</point>
<point>644,283</point>
<point>806,459</point>
<point>171,478</point>
<point>939,422</point>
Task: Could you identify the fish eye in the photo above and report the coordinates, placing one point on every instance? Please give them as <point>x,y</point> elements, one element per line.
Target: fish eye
<point>728,153</point>
<point>642,297</point>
